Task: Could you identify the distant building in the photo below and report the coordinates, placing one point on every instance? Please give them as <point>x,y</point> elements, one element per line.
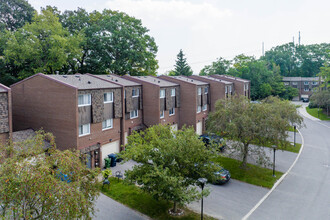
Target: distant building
<point>305,85</point>
<point>242,87</point>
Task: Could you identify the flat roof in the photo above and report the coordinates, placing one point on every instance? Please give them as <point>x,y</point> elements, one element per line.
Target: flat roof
<point>300,78</point>
<point>234,78</point>
<point>118,79</point>
<point>155,81</point>
<point>83,81</point>
<point>216,79</point>
<point>189,80</point>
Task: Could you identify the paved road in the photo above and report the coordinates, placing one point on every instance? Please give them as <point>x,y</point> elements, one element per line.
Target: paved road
<point>305,192</point>
<point>110,209</point>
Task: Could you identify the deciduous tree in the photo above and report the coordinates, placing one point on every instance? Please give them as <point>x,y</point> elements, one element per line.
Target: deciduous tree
<point>244,123</point>
<point>35,185</point>
<point>169,163</point>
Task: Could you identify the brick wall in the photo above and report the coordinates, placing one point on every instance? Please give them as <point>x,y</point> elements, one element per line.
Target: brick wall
<point>4,113</point>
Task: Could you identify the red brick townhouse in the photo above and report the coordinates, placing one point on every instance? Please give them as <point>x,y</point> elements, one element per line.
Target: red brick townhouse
<point>83,112</point>
<point>5,114</point>
<point>132,104</point>
<point>194,96</point>
<point>219,89</point>
<point>241,86</point>
<point>161,100</point>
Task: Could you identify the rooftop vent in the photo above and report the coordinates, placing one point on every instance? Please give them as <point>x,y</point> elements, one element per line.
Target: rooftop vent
<point>64,76</point>
<point>116,80</point>
<point>108,75</point>
<point>89,82</point>
<point>192,80</point>
<point>158,81</point>
<point>77,76</point>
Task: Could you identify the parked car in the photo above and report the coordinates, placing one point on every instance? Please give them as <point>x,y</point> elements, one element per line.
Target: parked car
<point>222,176</point>
<point>213,139</point>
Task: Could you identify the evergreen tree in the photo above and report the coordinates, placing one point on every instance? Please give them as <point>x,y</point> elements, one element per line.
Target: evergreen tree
<point>181,66</point>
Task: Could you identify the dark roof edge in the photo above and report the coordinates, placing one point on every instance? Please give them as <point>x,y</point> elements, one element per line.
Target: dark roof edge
<point>4,87</point>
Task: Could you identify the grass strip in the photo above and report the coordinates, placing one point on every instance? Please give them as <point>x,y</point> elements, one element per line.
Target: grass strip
<point>252,174</point>
<point>320,115</point>
<point>133,197</point>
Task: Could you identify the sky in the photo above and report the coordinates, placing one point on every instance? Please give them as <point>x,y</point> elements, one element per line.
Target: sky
<point>208,29</point>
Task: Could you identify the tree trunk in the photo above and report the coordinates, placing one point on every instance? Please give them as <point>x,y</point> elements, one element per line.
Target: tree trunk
<point>175,208</point>
<point>245,154</point>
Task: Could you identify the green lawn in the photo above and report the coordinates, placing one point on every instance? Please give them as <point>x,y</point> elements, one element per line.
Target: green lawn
<point>291,129</point>
<point>255,175</point>
<point>134,197</point>
<point>313,112</point>
<point>287,147</point>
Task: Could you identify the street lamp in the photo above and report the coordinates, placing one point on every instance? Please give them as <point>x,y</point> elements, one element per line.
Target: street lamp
<point>294,141</point>
<point>202,181</point>
<point>274,147</point>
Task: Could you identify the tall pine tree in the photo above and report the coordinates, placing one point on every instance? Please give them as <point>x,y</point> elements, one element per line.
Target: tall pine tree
<point>181,66</point>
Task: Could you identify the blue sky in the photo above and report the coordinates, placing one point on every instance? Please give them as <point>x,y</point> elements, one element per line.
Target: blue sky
<point>208,29</point>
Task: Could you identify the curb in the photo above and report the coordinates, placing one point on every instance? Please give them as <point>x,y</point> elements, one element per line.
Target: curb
<point>277,182</point>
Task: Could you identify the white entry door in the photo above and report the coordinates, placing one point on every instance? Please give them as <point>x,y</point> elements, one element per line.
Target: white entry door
<point>199,128</point>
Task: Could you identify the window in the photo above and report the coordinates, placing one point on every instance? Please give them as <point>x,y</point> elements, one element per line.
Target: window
<point>162,93</point>
<point>206,90</point>
<point>306,89</point>
<point>199,90</point>
<point>134,114</point>
<point>246,87</point>
<point>172,111</point>
<point>199,109</point>
<point>314,83</point>
<point>230,89</point>
<point>306,83</point>
<point>294,83</point>
<point>84,129</point>
<point>172,92</point>
<point>135,93</point>
<point>108,97</point>
<point>84,99</point>
<point>226,88</point>
<point>162,114</point>
<point>286,83</point>
<point>107,124</point>
<point>204,107</point>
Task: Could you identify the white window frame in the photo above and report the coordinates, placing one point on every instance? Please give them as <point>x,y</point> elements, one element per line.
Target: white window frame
<point>230,89</point>
<point>107,124</point>
<point>315,83</point>
<point>294,83</point>
<point>306,83</point>
<point>286,83</point>
<point>134,114</point>
<point>226,89</point>
<point>199,91</point>
<point>86,129</point>
<point>136,91</point>
<point>246,87</point>
<point>306,89</point>
<point>204,108</point>
<point>206,90</point>
<point>162,93</point>
<point>89,100</point>
<point>108,94</point>
<point>173,111</point>
<point>162,114</point>
<point>199,109</point>
<point>172,92</point>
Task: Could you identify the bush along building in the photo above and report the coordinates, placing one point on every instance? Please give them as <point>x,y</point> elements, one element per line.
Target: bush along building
<point>5,114</point>
<point>195,101</point>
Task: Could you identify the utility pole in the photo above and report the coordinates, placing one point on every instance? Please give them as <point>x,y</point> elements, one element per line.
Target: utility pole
<point>299,38</point>
<point>263,49</point>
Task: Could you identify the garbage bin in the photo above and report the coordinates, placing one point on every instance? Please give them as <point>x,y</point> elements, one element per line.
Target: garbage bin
<point>107,162</point>
<point>113,159</point>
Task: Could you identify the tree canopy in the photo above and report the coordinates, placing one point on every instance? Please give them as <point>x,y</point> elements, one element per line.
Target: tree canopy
<point>14,14</point>
<point>35,185</point>
<point>169,162</point>
<point>245,123</point>
<point>181,66</point>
